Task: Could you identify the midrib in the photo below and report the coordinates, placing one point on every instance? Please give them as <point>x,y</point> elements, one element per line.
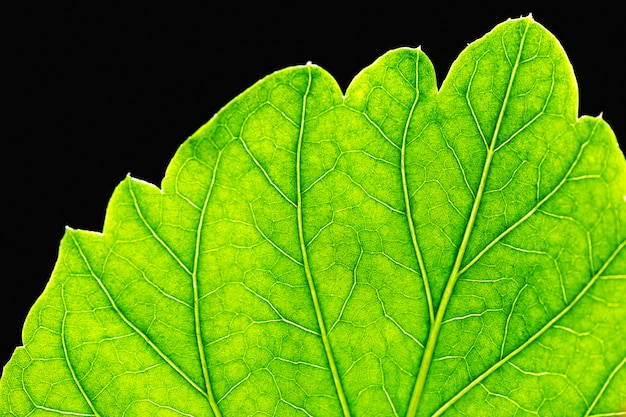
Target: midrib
<point>305,260</point>
<point>447,294</point>
<point>196,296</point>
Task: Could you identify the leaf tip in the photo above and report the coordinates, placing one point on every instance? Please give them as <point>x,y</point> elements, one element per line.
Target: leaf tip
<point>529,16</point>
<point>70,232</point>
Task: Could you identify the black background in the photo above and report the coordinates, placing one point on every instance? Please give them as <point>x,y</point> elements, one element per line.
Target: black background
<point>92,93</point>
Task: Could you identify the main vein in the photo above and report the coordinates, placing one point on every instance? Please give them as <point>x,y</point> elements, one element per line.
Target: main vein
<point>407,200</point>
<point>196,297</point>
<point>305,261</point>
<point>447,293</point>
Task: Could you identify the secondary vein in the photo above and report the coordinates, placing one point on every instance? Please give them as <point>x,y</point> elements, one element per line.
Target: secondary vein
<point>604,387</point>
<point>534,209</point>
<point>407,200</point>
<point>67,358</point>
<point>305,260</point>
<point>535,336</point>
<point>193,274</point>
<point>196,297</point>
<point>129,323</point>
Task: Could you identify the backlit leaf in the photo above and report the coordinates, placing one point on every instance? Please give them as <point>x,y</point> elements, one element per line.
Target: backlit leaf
<point>397,250</point>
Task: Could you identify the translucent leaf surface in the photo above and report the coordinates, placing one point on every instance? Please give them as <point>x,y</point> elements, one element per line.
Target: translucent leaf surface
<point>397,250</point>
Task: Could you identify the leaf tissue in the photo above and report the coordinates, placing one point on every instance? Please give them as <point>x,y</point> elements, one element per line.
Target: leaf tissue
<point>397,250</point>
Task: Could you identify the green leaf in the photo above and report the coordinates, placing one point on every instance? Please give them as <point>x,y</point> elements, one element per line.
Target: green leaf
<point>400,250</point>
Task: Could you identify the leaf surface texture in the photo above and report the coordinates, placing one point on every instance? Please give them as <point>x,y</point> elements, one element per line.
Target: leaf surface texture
<point>397,250</point>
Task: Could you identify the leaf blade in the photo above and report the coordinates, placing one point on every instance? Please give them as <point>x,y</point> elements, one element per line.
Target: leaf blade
<point>317,253</point>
